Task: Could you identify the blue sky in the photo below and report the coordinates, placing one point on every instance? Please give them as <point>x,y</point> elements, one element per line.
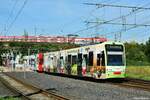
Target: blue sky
<point>62,17</point>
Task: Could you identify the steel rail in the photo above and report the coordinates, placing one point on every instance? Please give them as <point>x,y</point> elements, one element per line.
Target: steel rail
<point>38,90</point>
<point>135,83</point>
<point>14,90</point>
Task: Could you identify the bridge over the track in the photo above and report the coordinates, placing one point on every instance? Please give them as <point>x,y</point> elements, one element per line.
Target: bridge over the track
<point>52,39</point>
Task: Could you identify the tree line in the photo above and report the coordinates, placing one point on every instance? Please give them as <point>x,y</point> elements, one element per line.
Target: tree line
<point>136,53</point>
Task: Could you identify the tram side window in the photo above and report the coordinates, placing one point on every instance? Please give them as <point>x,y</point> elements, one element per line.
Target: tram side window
<point>79,59</point>
<point>86,58</point>
<point>99,57</point>
<point>61,61</point>
<point>66,59</point>
<point>102,58</point>
<point>90,58</point>
<point>61,57</point>
<point>74,60</point>
<point>69,59</point>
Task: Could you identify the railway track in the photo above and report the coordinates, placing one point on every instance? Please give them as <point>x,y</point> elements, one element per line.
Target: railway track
<point>134,83</point>
<point>27,91</point>
<point>127,82</point>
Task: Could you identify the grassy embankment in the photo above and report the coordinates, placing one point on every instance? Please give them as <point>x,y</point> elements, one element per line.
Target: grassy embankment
<point>11,98</point>
<point>139,72</point>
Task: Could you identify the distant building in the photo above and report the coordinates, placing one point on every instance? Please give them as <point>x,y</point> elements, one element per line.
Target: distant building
<point>52,39</point>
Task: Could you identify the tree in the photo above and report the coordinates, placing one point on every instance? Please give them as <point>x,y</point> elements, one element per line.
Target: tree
<point>147,49</point>
<point>135,53</point>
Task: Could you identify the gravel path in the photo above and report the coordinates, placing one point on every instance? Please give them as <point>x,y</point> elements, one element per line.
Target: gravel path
<point>83,90</point>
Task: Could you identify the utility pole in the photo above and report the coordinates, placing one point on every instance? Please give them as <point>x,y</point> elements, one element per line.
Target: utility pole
<point>35,30</point>
<point>115,37</point>
<point>26,63</point>
<point>96,28</point>
<point>35,33</point>
<point>120,37</point>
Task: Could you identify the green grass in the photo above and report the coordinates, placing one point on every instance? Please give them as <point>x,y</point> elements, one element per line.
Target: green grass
<point>139,72</point>
<point>11,98</point>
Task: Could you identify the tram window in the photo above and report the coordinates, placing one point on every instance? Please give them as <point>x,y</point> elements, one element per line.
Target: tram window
<point>86,58</point>
<point>55,60</point>
<point>90,58</point>
<point>115,60</point>
<point>103,59</point>
<point>74,60</point>
<point>69,59</point>
<point>61,61</point>
<point>79,59</point>
<point>99,57</point>
<point>66,58</point>
<point>61,57</point>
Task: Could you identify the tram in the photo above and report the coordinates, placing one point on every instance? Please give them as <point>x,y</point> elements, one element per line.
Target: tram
<point>100,61</point>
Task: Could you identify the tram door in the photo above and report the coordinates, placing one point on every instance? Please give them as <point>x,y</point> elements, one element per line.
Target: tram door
<point>40,62</point>
<point>79,64</point>
<point>74,65</point>
<point>84,64</point>
<point>69,65</point>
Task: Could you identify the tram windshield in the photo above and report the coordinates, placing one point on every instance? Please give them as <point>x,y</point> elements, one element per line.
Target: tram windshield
<point>115,55</point>
<point>115,60</point>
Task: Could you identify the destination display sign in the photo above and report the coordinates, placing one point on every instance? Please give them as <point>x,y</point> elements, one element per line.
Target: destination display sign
<point>114,47</point>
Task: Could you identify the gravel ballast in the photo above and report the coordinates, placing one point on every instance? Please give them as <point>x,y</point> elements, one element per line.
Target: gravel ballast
<point>4,91</point>
<point>80,89</point>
